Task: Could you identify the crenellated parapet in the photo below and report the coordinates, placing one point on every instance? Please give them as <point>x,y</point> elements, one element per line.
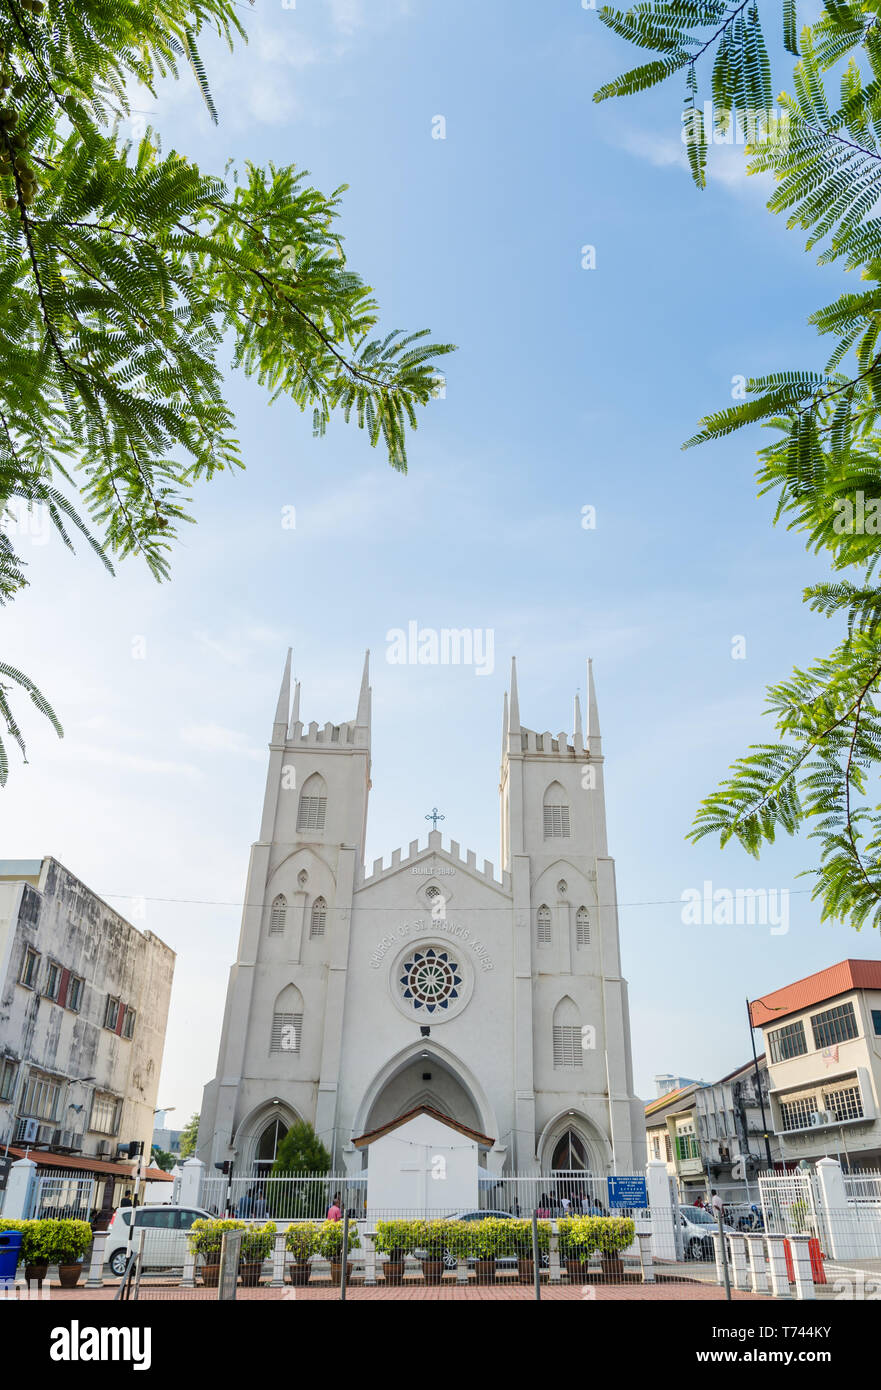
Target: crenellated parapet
<point>415,856</point>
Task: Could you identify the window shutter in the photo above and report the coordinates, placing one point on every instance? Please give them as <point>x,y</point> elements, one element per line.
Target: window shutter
<point>567,1047</point>
<point>311,812</point>
<point>63,987</point>
<point>543,925</point>
<point>277,916</point>
<point>319,917</point>
<point>281,1039</point>
<point>582,927</point>
<point>556,822</point>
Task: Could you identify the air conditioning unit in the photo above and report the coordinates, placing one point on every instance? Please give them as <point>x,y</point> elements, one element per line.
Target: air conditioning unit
<point>58,1141</point>
<point>103,1148</point>
<point>26,1132</point>
<point>44,1134</point>
<point>75,1142</point>
<point>822,1117</point>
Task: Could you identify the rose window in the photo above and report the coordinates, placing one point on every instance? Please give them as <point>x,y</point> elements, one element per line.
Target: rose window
<point>430,980</point>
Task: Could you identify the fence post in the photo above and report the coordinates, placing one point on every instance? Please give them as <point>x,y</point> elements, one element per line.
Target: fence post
<point>758,1267</point>
<point>191,1178</point>
<point>20,1190</point>
<point>536,1261</point>
<point>645,1256</point>
<point>96,1262</point>
<point>369,1256</point>
<point>801,1265</point>
<point>737,1246</point>
<point>555,1273</point>
<point>776,1246</point>
<point>188,1281</point>
<point>344,1272</point>
<point>721,1249</point>
<point>661,1207</point>
<point>278,1254</point>
<point>833,1210</point>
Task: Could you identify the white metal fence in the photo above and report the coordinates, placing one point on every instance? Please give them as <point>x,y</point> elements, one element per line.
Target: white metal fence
<point>63,1196</point>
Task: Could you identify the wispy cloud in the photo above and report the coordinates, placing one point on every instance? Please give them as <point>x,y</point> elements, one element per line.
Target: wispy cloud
<point>214,738</point>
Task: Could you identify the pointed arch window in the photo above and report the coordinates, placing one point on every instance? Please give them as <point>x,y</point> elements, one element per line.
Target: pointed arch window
<point>556,813</point>
<point>568,1053</point>
<point>570,1155</point>
<point>312,808</point>
<point>543,925</point>
<point>277,916</point>
<point>318,919</point>
<point>582,927</point>
<point>287,1021</point>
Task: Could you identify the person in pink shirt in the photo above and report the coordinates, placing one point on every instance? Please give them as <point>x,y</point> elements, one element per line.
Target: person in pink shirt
<point>334,1211</point>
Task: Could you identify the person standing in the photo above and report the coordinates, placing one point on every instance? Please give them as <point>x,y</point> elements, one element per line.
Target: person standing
<point>717,1205</point>
<point>335,1211</point>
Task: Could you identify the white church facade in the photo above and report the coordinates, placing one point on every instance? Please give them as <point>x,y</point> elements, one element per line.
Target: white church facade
<point>361,995</point>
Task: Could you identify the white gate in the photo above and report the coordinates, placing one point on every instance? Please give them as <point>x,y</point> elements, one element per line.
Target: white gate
<point>67,1197</point>
<point>789,1204</point>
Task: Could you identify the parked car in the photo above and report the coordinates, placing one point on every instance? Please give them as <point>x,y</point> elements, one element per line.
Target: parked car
<point>697,1225</point>
<point>165,1241</point>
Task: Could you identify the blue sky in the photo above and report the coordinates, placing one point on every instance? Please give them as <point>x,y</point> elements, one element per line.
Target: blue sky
<point>571,388</point>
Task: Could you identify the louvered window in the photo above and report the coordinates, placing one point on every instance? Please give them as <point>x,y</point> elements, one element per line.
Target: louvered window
<point>277,917</point>
<point>319,917</point>
<point>567,1046</point>
<point>311,812</point>
<point>556,822</point>
<point>287,1029</point>
<point>582,927</point>
<point>543,924</point>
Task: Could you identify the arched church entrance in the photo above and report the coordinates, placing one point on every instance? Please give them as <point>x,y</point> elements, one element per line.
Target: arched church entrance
<point>424,1080</point>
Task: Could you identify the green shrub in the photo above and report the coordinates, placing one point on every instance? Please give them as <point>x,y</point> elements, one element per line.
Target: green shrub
<point>64,1242</point>
<point>397,1235</point>
<point>301,1240</point>
<point>582,1236</point>
<point>329,1242</point>
<point>487,1238</point>
<point>520,1239</point>
<point>258,1243</point>
<point>206,1237</point>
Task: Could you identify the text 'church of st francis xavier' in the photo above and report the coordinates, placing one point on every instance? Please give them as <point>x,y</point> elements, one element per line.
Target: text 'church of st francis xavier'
<point>359,996</point>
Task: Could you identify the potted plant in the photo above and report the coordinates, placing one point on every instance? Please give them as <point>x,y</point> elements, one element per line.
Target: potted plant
<point>433,1239</point>
<point>301,1243</point>
<point>206,1239</point>
<point>65,1243</point>
<point>256,1247</point>
<point>521,1242</point>
<point>395,1239</point>
<point>575,1245</point>
<point>33,1252</point>
<point>610,1236</point>
<point>329,1243</point>
<point>484,1239</point>
<point>8,1224</point>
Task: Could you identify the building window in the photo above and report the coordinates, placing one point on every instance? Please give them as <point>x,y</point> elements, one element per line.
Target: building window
<point>75,993</point>
<point>53,980</point>
<point>277,916</point>
<point>656,1145</point>
<point>796,1114</point>
<point>556,813</point>
<point>312,809</point>
<point>569,1154</point>
<point>543,925</point>
<point>104,1118</point>
<point>29,967</point>
<point>319,917</point>
<point>834,1025</point>
<point>876,1022</point>
<point>128,1024</point>
<point>787,1042</point>
<point>567,1047</point>
<point>582,927</point>
<point>667,1150</point>
<point>111,1013</point>
<point>8,1073</point>
<point>287,1030</point>
<point>686,1146</point>
<point>41,1097</point>
<point>845,1104</point>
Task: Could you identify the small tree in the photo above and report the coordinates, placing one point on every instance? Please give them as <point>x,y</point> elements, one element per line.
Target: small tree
<point>161,1158</point>
<point>188,1136</point>
<point>300,1154</point>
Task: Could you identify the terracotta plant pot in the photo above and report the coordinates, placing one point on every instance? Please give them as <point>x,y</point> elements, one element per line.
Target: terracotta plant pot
<point>69,1275</point>
<point>393,1269</point>
<point>211,1275</point>
<point>336,1271</point>
<point>577,1269</point>
<point>35,1274</point>
<point>433,1271</point>
<point>526,1269</point>
<point>250,1271</point>
<point>299,1273</point>
<point>485,1271</point>
<point>613,1269</point>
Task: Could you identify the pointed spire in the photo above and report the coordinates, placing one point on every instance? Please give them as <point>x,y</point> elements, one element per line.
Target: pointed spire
<point>295,712</point>
<point>280,726</point>
<point>577,725</point>
<point>594,741</point>
<point>362,718</point>
<point>514,711</point>
<point>505,726</point>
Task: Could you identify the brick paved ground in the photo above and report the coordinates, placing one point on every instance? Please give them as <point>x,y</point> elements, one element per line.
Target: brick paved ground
<point>673,1292</point>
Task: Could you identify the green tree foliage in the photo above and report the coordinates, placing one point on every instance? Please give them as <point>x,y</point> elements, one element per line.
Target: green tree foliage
<point>301,1151</point>
<point>161,1158</point>
<point>822,466</point>
<point>188,1137</point>
<point>124,271</point>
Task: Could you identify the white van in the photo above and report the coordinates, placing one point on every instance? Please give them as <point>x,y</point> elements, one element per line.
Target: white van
<point>165,1241</point>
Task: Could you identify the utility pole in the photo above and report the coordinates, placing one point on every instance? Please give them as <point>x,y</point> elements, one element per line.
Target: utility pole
<point>752,1038</point>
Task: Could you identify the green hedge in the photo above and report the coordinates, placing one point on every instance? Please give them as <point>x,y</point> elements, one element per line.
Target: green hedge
<point>51,1242</point>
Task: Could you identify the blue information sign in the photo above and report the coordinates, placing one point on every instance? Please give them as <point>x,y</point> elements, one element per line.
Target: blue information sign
<point>627,1192</point>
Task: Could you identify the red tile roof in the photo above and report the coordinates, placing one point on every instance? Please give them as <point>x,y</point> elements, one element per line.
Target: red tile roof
<point>838,979</point>
<point>45,1159</point>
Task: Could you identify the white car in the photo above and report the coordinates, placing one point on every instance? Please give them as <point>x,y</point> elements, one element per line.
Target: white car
<point>165,1241</point>
<point>698,1227</point>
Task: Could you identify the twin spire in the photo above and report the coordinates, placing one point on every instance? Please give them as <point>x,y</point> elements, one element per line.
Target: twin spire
<point>511,714</point>
<point>286,718</point>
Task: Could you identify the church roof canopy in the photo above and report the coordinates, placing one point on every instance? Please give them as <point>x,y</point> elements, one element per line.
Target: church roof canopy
<point>368,1138</point>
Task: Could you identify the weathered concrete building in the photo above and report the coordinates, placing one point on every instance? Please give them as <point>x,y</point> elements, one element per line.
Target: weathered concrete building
<point>84,1001</point>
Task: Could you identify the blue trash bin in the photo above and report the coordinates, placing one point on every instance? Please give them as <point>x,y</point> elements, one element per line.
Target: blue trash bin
<point>10,1253</point>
